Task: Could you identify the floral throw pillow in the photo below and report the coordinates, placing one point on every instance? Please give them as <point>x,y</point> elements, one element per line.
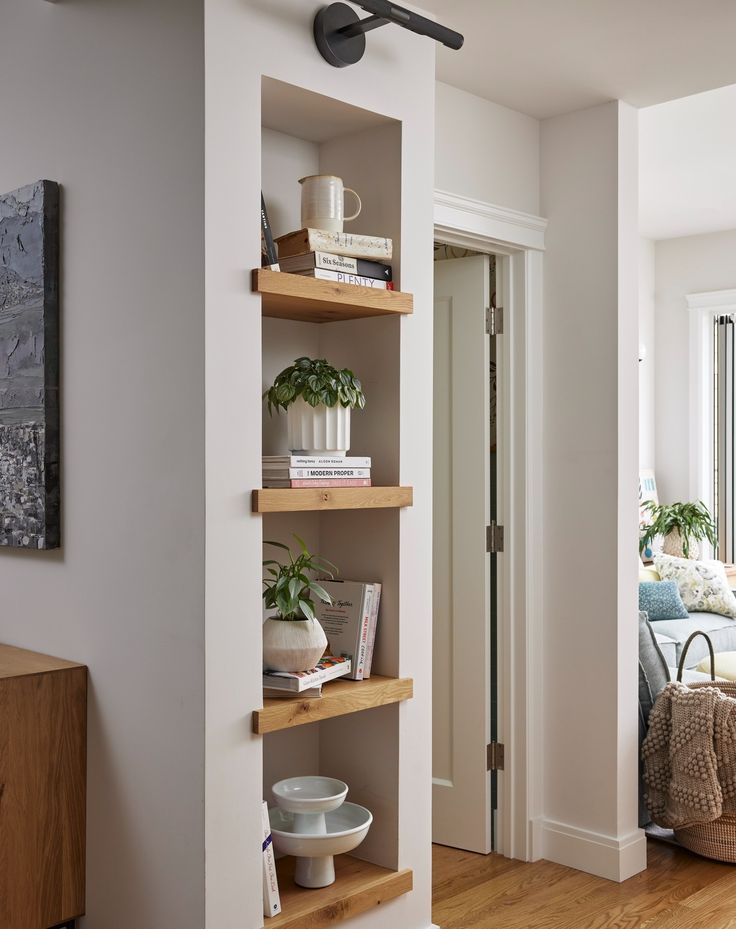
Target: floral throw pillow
<point>702,584</point>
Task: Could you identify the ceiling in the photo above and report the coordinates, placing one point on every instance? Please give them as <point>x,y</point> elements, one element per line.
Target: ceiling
<point>546,57</point>
<point>687,165</point>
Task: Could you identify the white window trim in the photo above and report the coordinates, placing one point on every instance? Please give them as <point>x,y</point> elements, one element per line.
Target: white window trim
<point>703,307</point>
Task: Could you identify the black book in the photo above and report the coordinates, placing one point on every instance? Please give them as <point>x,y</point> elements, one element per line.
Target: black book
<point>326,261</point>
<point>269,258</point>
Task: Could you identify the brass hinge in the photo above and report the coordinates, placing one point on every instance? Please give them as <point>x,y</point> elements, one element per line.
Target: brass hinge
<point>494,320</point>
<point>495,752</point>
<point>494,538</point>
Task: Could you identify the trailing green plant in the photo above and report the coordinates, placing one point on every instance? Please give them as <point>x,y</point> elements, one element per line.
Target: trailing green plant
<point>316,382</point>
<point>692,520</point>
<point>289,589</point>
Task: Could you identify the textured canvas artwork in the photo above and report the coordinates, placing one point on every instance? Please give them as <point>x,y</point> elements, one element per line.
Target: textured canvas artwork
<point>29,367</point>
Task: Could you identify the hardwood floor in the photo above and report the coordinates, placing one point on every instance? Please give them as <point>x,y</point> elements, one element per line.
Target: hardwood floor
<point>677,891</point>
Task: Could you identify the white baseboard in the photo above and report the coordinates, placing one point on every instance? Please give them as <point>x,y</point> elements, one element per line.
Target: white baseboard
<point>616,859</point>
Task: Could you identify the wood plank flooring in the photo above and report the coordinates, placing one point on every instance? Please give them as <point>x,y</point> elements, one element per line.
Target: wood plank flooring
<point>677,891</point>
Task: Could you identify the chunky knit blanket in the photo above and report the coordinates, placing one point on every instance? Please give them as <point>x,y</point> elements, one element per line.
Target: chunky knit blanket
<point>690,756</point>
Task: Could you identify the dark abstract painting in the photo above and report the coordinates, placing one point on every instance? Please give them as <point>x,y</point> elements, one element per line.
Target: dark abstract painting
<point>29,367</point>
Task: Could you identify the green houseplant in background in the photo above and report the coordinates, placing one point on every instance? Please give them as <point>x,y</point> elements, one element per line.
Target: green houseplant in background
<point>293,639</point>
<point>683,526</point>
<point>317,399</point>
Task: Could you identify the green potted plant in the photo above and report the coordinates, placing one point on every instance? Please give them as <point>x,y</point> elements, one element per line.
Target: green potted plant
<point>293,639</point>
<point>683,526</point>
<point>317,399</point>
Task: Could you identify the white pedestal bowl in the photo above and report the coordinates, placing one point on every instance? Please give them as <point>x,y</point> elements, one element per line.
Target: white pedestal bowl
<point>345,829</point>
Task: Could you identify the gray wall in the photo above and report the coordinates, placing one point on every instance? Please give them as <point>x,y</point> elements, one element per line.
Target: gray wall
<point>106,97</point>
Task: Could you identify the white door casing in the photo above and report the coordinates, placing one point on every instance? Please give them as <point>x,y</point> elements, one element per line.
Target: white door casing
<point>484,227</point>
<point>461,793</point>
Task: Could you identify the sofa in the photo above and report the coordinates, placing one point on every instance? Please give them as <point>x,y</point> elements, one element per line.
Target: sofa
<point>671,634</point>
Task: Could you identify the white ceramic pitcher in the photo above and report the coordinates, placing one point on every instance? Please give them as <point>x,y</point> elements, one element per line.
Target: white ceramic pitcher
<point>323,202</point>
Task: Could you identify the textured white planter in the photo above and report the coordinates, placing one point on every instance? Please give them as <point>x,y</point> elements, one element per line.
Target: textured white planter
<point>672,545</point>
<point>292,645</point>
<point>319,429</point>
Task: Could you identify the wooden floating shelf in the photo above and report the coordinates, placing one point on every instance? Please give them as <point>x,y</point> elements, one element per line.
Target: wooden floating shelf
<point>359,886</point>
<point>294,499</point>
<point>338,698</point>
<point>307,299</point>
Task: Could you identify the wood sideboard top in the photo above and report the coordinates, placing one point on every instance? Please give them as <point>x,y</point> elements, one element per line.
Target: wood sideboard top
<point>19,662</point>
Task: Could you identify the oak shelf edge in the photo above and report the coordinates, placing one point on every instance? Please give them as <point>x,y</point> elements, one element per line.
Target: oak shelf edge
<point>359,886</point>
<point>294,499</point>
<point>307,299</point>
<point>339,698</point>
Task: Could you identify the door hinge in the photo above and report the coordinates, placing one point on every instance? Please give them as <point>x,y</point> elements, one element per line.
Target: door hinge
<point>494,538</point>
<point>495,753</point>
<point>494,320</point>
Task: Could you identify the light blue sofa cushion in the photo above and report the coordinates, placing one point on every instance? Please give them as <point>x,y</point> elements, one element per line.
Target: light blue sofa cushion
<point>661,600</point>
<point>721,629</point>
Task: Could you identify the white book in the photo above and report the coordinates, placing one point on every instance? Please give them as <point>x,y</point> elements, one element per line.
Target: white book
<point>271,897</point>
<point>274,693</point>
<point>346,621</point>
<point>372,630</point>
<point>312,473</point>
<point>328,668</point>
<point>314,461</point>
<point>335,243</point>
<point>344,277</point>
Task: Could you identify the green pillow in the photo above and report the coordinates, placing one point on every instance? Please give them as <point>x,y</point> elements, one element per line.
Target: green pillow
<point>661,600</point>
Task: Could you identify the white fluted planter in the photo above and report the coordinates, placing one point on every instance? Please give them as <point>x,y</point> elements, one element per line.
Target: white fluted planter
<point>292,645</point>
<point>319,429</point>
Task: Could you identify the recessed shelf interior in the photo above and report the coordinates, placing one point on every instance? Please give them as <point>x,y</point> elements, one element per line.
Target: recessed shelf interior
<point>359,887</point>
<point>304,133</point>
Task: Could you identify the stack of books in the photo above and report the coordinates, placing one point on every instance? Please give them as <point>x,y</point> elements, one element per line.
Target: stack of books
<point>315,471</point>
<point>305,683</point>
<point>350,622</point>
<point>342,257</point>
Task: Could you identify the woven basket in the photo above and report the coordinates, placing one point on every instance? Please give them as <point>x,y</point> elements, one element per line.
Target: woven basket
<point>716,839</point>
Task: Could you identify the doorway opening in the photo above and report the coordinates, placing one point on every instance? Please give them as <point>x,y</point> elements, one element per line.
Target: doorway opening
<point>467,358</point>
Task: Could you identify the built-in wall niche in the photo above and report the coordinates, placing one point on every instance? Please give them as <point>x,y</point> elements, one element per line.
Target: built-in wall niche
<point>360,749</point>
<point>306,133</point>
<point>352,732</point>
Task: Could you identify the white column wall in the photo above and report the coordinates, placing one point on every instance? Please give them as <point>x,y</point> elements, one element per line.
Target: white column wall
<point>590,440</point>
<point>396,78</point>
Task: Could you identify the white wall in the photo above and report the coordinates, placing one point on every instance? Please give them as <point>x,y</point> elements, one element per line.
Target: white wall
<point>107,99</point>
<point>648,367</point>
<point>693,264</point>
<point>589,189</point>
<point>485,151</point>
<point>396,78</point>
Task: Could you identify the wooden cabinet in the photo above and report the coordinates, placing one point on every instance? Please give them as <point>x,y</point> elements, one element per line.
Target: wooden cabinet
<point>43,765</point>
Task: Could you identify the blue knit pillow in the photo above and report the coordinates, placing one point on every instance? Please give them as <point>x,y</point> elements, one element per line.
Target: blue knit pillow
<point>661,600</point>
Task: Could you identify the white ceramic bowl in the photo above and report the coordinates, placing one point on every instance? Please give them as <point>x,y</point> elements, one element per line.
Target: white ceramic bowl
<point>310,794</point>
<point>346,829</point>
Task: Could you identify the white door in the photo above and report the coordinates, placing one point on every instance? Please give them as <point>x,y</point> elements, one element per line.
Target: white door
<point>461,575</point>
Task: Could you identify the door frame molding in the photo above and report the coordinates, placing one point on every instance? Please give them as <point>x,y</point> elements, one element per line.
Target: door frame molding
<point>485,227</point>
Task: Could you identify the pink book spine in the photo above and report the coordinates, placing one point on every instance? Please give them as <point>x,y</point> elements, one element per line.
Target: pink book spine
<point>333,482</point>
<point>372,632</point>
